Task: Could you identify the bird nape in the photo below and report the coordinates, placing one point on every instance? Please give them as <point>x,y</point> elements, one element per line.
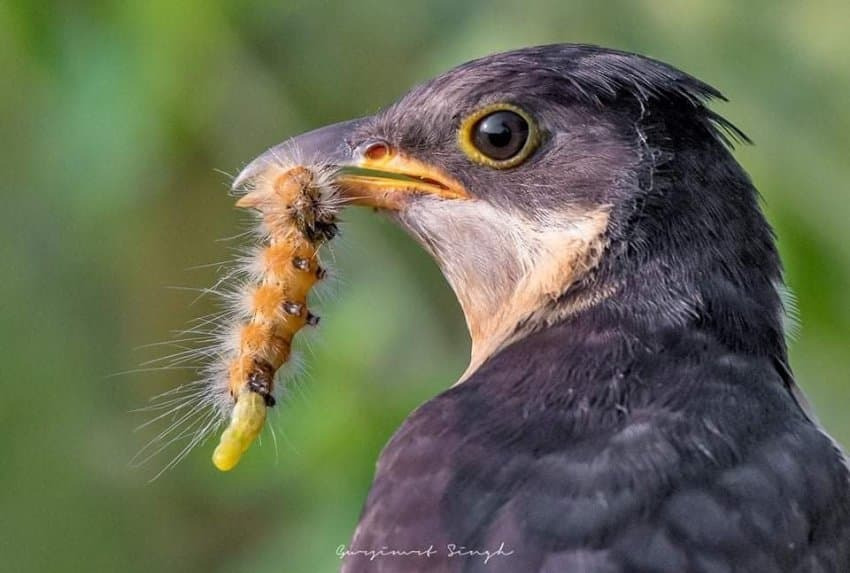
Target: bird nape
<point>628,404</point>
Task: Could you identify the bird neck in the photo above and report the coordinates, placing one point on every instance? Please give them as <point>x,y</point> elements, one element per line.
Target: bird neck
<point>695,251</point>
<point>504,266</point>
<point>691,249</point>
<point>692,253</point>
<point>555,258</point>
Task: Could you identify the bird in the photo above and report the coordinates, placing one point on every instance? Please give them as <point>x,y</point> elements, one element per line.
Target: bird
<point>629,404</point>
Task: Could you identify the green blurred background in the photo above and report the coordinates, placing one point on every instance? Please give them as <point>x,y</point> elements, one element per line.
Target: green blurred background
<point>115,119</point>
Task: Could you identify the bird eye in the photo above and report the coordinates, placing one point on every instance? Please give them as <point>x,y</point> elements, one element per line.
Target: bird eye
<point>500,136</point>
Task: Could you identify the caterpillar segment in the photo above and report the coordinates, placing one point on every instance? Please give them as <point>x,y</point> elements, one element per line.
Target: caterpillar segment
<point>297,217</point>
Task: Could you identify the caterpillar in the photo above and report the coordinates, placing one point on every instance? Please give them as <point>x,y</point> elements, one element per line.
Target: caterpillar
<point>297,218</point>
<point>296,208</point>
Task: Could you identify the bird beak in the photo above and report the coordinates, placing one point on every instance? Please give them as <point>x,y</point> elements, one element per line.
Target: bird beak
<point>372,173</point>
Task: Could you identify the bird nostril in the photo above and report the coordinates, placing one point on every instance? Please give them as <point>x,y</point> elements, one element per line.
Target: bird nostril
<point>376,150</point>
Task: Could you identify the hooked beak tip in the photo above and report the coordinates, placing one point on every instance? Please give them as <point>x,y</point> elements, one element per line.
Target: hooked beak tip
<point>248,173</point>
<point>327,145</point>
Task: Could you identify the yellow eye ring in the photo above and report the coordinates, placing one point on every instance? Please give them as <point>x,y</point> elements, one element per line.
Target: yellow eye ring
<point>499,135</point>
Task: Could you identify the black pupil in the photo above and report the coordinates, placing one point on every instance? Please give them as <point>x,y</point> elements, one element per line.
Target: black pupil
<point>501,135</point>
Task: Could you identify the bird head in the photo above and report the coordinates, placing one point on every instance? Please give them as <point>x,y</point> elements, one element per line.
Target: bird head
<point>552,180</point>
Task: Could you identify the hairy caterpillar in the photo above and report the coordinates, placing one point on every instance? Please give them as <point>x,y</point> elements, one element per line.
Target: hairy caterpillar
<point>297,220</point>
<point>244,348</point>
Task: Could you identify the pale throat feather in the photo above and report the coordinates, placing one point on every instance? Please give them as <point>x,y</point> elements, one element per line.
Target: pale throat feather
<point>503,266</point>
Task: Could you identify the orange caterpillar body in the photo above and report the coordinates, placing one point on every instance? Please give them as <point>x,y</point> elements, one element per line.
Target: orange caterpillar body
<point>290,267</point>
<point>297,218</point>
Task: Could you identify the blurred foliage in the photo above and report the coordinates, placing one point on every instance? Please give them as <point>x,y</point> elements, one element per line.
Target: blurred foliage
<point>116,117</point>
